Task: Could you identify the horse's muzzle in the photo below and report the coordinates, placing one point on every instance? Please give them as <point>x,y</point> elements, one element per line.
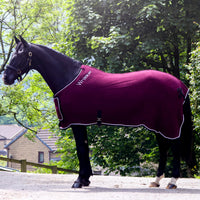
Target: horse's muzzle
<point>8,79</point>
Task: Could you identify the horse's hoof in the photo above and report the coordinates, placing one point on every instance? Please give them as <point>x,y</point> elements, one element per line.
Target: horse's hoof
<point>79,183</point>
<point>85,182</point>
<point>154,184</point>
<point>171,186</point>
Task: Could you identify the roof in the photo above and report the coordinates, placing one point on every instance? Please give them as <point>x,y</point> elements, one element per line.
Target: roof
<point>44,136</point>
<point>9,132</point>
<point>16,138</point>
<point>48,138</point>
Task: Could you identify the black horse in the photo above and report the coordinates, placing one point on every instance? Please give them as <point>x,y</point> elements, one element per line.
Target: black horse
<point>60,71</point>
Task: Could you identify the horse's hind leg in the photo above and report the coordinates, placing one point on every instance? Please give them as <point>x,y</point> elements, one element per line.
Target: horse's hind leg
<point>80,135</point>
<point>176,164</point>
<point>163,149</point>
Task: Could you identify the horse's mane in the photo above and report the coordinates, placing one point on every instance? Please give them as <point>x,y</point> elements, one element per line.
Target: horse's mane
<point>61,56</point>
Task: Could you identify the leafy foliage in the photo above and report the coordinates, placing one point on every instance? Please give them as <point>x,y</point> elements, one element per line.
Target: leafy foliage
<point>121,150</point>
<point>132,35</point>
<point>20,17</point>
<point>135,35</point>
<point>29,101</point>
<point>194,78</point>
<point>67,148</point>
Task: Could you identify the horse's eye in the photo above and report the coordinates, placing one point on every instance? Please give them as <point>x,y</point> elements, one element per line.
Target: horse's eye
<point>20,50</point>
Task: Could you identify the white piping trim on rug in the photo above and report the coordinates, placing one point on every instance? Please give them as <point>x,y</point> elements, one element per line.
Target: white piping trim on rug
<point>69,83</point>
<point>134,126</point>
<point>59,109</point>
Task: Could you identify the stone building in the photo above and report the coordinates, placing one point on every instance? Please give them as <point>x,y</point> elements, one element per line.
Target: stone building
<point>40,149</point>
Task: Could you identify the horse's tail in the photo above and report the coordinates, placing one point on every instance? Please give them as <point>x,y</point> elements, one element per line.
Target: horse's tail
<point>187,136</point>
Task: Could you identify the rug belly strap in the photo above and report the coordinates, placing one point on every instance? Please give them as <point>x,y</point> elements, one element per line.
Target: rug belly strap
<point>99,117</point>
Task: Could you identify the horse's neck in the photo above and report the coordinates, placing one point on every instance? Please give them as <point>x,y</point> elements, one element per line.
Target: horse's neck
<point>56,69</point>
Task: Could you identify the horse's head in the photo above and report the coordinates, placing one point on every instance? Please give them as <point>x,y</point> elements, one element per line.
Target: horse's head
<point>20,62</point>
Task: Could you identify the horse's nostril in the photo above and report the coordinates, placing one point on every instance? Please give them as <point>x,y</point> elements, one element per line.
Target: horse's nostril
<point>5,79</point>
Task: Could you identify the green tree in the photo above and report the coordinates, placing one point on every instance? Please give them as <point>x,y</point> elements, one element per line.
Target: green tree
<point>67,148</point>
<point>122,150</point>
<point>119,36</point>
<point>194,78</point>
<point>37,21</point>
<point>21,17</point>
<point>127,35</point>
<point>30,102</point>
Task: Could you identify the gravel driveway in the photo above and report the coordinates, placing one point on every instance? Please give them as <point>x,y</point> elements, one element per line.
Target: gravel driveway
<point>24,186</point>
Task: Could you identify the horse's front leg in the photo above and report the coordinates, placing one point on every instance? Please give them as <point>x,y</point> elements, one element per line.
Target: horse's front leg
<point>176,164</point>
<point>163,149</point>
<point>85,171</point>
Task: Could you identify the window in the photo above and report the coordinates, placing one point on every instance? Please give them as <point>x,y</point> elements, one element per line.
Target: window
<point>40,157</point>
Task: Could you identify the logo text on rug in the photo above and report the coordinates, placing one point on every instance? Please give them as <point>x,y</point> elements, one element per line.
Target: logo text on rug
<point>80,82</point>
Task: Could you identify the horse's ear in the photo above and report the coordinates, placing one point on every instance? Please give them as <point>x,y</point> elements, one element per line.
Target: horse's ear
<point>16,40</point>
<point>24,42</point>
